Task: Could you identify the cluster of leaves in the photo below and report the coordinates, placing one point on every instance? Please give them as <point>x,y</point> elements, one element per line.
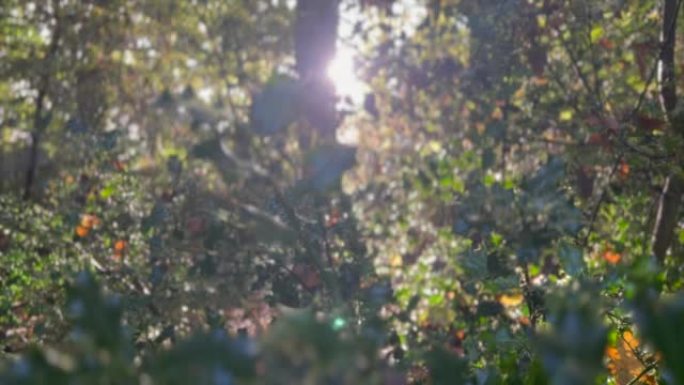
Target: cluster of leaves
<point>504,180</point>
<point>492,224</point>
<point>301,349</point>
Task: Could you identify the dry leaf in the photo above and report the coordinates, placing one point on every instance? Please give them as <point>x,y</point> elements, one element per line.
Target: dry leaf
<point>612,257</point>
<point>119,245</point>
<point>623,170</point>
<point>623,363</point>
<point>82,231</point>
<point>511,300</point>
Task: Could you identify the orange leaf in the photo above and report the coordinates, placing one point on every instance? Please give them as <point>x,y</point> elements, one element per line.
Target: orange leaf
<point>89,221</point>
<point>82,231</point>
<point>629,339</point>
<point>119,245</point>
<point>623,170</point>
<point>612,257</point>
<point>612,353</point>
<point>540,81</point>
<point>118,165</point>
<point>606,43</point>
<point>623,362</point>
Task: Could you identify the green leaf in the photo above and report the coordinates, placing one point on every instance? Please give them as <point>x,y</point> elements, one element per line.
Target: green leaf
<point>596,33</point>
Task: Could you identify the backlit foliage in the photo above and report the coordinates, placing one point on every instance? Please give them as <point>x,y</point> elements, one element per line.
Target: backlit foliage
<point>176,203</point>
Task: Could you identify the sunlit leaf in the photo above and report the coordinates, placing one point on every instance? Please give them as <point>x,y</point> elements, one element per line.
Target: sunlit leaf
<point>511,300</point>
<point>612,257</point>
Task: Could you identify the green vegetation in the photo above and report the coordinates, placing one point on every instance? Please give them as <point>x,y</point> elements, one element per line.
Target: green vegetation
<point>191,193</point>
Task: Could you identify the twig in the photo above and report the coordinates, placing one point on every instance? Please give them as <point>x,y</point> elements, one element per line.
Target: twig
<point>602,198</point>
<point>583,79</point>
<point>647,369</point>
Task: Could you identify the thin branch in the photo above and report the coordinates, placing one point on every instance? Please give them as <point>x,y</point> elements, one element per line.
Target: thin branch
<point>602,199</point>
<point>647,369</point>
<point>583,78</point>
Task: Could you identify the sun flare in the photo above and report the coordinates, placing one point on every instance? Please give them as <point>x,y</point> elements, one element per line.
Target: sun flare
<point>341,72</point>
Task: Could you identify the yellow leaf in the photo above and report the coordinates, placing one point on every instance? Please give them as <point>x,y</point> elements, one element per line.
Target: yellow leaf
<point>565,115</point>
<point>596,33</point>
<point>511,300</point>
<point>395,260</point>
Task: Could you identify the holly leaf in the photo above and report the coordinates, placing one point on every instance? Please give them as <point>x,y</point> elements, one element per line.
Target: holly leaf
<point>276,107</point>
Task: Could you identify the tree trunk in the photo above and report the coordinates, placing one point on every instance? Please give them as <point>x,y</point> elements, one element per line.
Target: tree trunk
<point>315,40</point>
<point>671,196</point>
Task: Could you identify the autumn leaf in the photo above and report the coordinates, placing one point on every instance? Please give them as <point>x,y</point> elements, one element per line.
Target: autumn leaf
<point>497,114</point>
<point>606,43</point>
<point>118,165</point>
<point>82,231</point>
<point>511,300</point>
<point>624,364</point>
<point>120,245</point>
<point>119,249</point>
<point>89,221</point>
<point>539,81</point>
<point>623,170</point>
<point>612,257</point>
<point>396,261</point>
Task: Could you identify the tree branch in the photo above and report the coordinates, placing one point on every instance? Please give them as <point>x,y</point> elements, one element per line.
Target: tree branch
<point>642,373</point>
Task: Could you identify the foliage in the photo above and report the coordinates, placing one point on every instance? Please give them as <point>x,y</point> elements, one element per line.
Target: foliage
<point>492,223</point>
